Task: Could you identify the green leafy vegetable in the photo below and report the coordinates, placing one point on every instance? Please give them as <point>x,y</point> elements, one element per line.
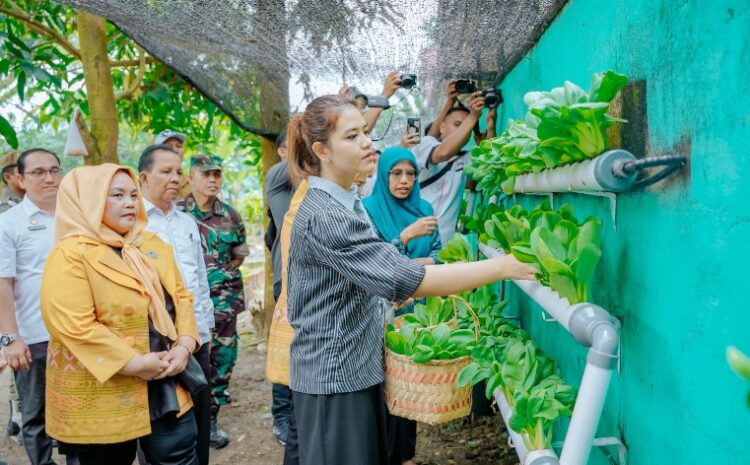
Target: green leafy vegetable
<point>427,344</point>
<point>456,250</point>
<point>565,125</point>
<point>565,251</point>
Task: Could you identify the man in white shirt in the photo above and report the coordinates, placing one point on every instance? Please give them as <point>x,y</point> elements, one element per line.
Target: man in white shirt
<point>160,174</point>
<point>441,161</point>
<point>26,238</point>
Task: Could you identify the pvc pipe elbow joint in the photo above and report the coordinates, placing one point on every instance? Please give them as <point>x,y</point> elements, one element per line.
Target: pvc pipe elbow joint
<point>593,327</point>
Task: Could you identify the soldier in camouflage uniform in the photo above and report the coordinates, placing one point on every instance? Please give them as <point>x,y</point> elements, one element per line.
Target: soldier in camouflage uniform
<point>224,249</point>
<point>11,194</point>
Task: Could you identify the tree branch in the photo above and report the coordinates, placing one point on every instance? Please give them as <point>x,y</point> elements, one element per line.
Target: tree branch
<point>16,12</point>
<point>138,78</point>
<point>127,63</point>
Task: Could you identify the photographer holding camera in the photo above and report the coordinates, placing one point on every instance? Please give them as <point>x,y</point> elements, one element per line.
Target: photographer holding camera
<point>390,86</point>
<point>441,160</point>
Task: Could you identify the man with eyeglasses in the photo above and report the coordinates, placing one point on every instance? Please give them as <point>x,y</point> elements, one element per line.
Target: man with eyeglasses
<point>26,238</point>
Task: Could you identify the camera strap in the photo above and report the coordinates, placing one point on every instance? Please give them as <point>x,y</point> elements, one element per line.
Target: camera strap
<point>432,180</point>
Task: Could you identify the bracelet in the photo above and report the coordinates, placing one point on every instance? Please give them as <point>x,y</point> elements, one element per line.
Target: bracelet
<point>184,347</point>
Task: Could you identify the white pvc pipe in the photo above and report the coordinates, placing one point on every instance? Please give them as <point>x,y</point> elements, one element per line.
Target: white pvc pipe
<point>548,299</point>
<point>569,178</point>
<point>524,455</point>
<point>586,415</point>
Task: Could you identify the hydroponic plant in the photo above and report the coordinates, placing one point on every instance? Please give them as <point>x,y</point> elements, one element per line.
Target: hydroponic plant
<point>566,251</point>
<point>562,126</point>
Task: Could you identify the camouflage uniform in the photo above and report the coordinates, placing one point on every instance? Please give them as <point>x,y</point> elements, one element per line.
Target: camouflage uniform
<point>221,230</point>
<point>8,200</point>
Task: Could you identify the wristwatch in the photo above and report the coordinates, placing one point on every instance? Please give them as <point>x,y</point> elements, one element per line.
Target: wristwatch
<point>6,339</point>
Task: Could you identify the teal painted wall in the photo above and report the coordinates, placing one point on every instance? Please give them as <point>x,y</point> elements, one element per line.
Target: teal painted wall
<point>675,266</point>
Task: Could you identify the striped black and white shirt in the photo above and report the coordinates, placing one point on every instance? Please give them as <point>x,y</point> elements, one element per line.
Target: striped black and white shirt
<point>339,272</point>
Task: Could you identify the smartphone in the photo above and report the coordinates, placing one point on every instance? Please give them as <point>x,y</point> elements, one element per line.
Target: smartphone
<point>414,126</point>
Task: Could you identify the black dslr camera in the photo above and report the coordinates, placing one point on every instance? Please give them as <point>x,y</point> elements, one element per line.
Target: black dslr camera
<point>466,86</point>
<point>492,98</point>
<point>408,80</point>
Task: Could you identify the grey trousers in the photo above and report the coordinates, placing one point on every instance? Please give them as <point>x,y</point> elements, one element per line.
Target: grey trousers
<point>30,385</point>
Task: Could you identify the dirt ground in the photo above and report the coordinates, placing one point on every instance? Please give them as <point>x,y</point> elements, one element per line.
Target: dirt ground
<point>248,421</point>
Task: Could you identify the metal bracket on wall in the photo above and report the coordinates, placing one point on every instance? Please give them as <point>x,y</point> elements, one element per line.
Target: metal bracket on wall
<point>612,203</point>
<point>622,449</point>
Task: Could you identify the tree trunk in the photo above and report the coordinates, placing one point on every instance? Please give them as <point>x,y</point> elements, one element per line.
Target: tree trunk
<point>99,87</point>
<point>262,320</point>
<point>274,111</point>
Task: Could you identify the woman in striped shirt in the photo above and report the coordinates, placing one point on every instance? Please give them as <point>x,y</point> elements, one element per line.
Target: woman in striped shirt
<point>340,277</point>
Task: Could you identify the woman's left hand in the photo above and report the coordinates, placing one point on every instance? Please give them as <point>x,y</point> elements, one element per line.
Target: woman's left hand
<point>177,358</point>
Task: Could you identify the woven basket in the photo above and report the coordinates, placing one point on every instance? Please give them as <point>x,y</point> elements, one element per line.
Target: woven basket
<point>426,392</point>
<point>277,357</point>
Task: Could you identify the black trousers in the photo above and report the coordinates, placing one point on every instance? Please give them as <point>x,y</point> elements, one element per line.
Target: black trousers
<point>201,411</point>
<point>171,442</point>
<point>341,429</point>
<point>202,406</point>
<point>291,450</point>
<point>31,384</point>
<point>402,439</point>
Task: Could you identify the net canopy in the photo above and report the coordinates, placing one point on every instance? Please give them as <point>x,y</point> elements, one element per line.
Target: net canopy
<point>286,52</point>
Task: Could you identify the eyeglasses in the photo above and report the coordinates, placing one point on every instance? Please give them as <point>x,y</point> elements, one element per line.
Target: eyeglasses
<point>398,173</point>
<point>42,173</point>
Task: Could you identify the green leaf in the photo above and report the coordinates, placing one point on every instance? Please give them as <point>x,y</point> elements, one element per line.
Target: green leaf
<point>467,374</point>
<point>441,333</point>
<point>565,231</point>
<point>585,264</point>
<point>21,85</point>
<point>606,85</point>
<point>461,337</point>
<point>565,287</point>
<point>422,354</point>
<point>8,133</point>
<point>739,362</point>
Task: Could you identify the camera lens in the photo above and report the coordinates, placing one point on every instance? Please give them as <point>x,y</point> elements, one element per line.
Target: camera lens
<point>465,86</point>
<point>408,80</point>
<point>492,98</point>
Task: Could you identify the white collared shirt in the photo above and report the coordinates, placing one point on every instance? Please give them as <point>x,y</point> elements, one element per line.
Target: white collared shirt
<point>179,230</point>
<point>26,239</point>
<point>446,193</point>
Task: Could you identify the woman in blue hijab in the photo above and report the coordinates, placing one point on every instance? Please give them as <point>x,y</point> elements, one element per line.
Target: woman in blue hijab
<point>401,217</point>
<point>397,211</point>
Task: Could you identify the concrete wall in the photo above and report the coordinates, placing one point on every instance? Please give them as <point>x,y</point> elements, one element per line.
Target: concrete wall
<point>675,265</point>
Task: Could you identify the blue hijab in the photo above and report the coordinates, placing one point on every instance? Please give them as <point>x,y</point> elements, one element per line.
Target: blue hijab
<point>391,215</point>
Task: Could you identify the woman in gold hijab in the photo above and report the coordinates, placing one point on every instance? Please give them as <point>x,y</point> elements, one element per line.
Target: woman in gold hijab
<point>121,325</point>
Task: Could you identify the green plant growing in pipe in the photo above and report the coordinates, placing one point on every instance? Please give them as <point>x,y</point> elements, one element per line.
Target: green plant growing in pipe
<point>562,126</point>
<point>565,251</point>
<point>740,363</point>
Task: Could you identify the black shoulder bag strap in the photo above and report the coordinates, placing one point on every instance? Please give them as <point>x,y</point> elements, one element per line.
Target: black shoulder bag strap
<point>432,180</point>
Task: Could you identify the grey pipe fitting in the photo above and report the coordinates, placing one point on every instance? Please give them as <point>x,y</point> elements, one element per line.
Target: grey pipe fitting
<point>593,327</point>
<point>544,461</point>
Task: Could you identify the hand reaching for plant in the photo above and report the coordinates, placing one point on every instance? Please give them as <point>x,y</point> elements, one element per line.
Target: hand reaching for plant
<point>513,269</point>
<point>422,227</point>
